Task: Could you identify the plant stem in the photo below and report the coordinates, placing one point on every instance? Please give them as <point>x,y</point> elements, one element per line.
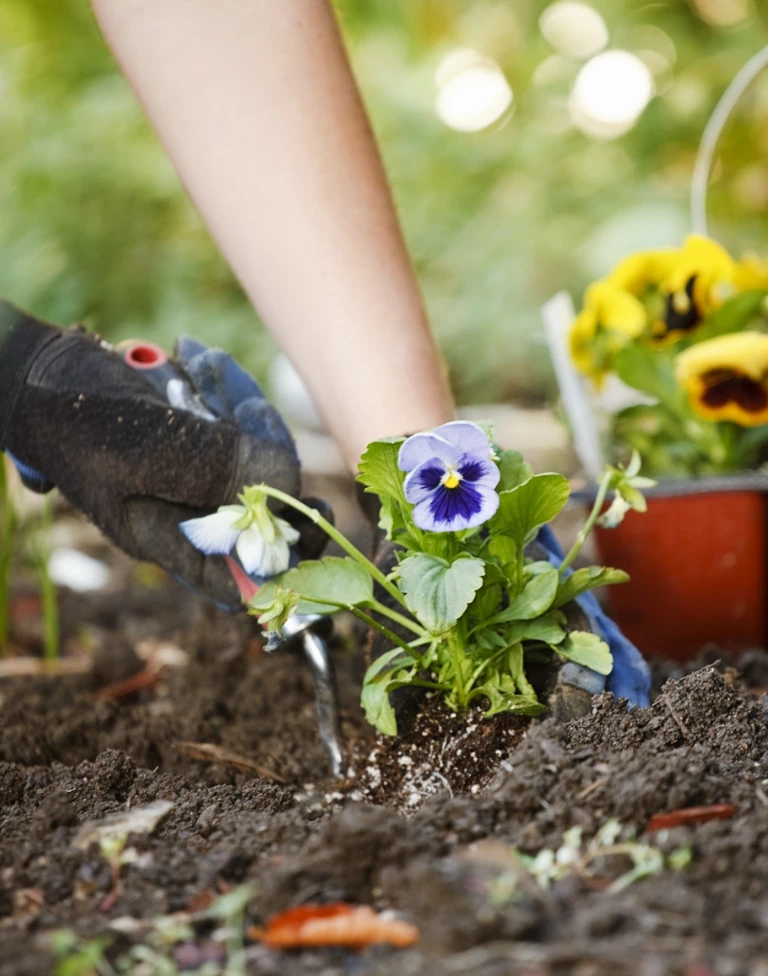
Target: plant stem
<point>575,549</point>
<point>332,532</point>
<point>48,591</point>
<point>8,521</point>
<point>387,633</point>
<point>457,657</point>
<point>398,618</point>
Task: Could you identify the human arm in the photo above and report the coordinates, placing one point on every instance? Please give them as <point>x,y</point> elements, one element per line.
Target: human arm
<point>256,104</point>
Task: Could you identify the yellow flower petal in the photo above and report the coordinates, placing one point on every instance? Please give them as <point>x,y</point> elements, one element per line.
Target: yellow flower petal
<point>712,267</point>
<point>727,378</point>
<point>615,309</point>
<point>643,270</point>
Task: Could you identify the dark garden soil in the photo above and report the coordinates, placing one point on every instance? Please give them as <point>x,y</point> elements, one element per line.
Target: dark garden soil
<point>424,827</point>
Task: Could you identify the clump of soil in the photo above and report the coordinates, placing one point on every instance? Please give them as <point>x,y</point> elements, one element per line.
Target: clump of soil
<point>67,757</point>
<point>435,751</point>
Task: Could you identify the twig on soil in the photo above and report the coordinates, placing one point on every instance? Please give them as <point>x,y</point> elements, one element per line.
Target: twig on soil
<point>146,678</point>
<point>690,815</point>
<point>678,721</point>
<point>210,753</point>
<point>22,667</point>
<point>591,788</point>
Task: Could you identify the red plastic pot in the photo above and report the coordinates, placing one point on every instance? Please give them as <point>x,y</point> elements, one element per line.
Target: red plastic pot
<point>698,566</point>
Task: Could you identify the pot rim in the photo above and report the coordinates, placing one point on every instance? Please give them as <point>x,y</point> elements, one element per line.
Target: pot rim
<point>679,487</point>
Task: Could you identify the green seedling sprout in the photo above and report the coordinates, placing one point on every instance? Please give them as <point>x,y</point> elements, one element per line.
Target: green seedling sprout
<point>574,857</point>
<point>47,586</point>
<point>8,523</point>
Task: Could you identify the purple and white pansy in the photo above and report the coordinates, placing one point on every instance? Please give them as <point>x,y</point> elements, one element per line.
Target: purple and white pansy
<point>451,477</point>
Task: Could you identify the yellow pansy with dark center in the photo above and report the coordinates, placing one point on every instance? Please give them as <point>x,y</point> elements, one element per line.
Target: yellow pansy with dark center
<point>724,386</point>
<point>681,313</point>
<point>727,378</point>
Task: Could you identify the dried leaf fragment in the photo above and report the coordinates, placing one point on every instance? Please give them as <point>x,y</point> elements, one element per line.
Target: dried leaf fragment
<point>690,815</point>
<point>139,820</point>
<point>341,925</point>
<point>210,753</point>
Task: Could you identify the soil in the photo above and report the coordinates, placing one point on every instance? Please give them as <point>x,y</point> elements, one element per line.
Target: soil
<point>69,756</point>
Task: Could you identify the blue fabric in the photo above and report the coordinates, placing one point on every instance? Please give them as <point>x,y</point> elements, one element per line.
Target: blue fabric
<point>630,677</point>
<point>31,478</point>
<point>231,392</point>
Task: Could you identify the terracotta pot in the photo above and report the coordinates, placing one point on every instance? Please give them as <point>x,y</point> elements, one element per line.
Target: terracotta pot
<point>698,566</point>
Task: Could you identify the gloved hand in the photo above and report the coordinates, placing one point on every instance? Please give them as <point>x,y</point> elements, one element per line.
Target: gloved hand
<point>74,415</point>
<point>630,677</point>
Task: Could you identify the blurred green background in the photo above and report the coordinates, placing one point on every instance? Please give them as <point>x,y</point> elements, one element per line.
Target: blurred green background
<point>94,225</point>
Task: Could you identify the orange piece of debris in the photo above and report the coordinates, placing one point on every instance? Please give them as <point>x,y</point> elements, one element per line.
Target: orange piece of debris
<point>341,925</point>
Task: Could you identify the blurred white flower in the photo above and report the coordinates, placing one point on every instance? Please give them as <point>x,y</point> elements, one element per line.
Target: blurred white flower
<point>261,540</point>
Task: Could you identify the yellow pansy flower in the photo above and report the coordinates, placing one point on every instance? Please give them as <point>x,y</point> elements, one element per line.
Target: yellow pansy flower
<point>727,378</point>
<point>609,319</point>
<point>644,270</point>
<point>700,281</point>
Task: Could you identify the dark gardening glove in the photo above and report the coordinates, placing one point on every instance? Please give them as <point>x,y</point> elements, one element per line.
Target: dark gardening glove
<point>74,415</point>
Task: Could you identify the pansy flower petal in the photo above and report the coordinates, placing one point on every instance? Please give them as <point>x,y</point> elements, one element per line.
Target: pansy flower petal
<point>478,471</point>
<point>424,479</point>
<point>422,447</point>
<point>286,530</point>
<point>454,509</point>
<point>251,551</point>
<point>214,533</point>
<point>468,437</point>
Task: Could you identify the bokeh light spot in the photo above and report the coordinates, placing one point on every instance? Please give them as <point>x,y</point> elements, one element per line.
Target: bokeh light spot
<point>574,28</point>
<point>473,92</point>
<point>610,93</point>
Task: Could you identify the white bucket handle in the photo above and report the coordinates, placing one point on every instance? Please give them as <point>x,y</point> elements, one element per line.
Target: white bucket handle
<point>711,137</point>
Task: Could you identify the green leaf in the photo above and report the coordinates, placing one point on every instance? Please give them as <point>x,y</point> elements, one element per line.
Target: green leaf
<point>378,710</point>
<point>380,679</point>
<point>486,601</point>
<point>390,660</point>
<point>733,316</point>
<point>514,470</point>
<point>332,581</point>
<point>586,579</point>
<point>548,629</point>
<point>438,592</point>
<point>651,372</point>
<point>587,649</point>
<point>534,599</point>
<point>504,548</point>
<point>523,510</point>
<point>378,468</point>
<point>502,694</point>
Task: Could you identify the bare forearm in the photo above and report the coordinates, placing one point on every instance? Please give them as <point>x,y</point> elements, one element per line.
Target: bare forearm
<point>257,107</point>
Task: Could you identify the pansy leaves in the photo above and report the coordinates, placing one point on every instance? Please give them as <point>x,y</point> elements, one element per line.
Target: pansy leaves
<point>514,470</point>
<point>438,592</point>
<point>586,579</point>
<point>323,586</point>
<point>378,468</point>
<point>733,316</point>
<point>387,673</point>
<point>650,372</point>
<point>587,649</point>
<point>535,598</point>
<point>523,510</point>
<point>548,629</point>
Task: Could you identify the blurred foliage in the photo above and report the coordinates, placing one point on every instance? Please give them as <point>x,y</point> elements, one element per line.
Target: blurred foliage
<point>95,226</point>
